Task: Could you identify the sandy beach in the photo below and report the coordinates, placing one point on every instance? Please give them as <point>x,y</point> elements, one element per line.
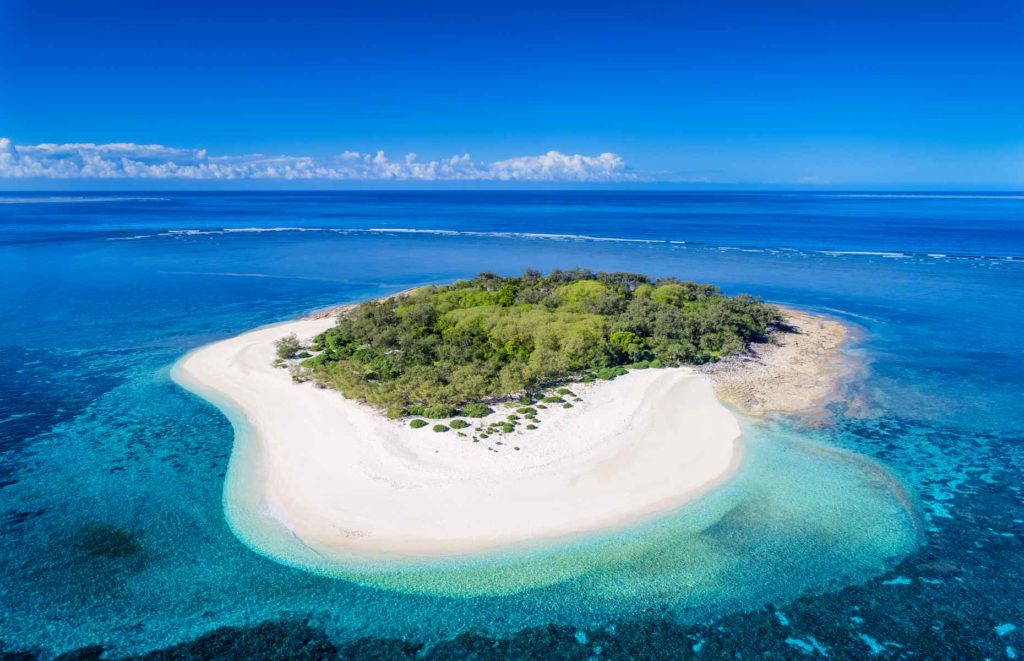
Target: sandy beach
<point>347,481</point>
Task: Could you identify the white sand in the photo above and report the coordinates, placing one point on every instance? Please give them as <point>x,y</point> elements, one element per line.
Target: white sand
<point>346,480</point>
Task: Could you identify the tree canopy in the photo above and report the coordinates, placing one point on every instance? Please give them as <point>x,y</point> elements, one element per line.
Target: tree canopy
<point>439,348</point>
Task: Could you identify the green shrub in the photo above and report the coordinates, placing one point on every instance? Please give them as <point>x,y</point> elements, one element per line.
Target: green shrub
<point>512,417</point>
<point>436,411</point>
<point>417,423</point>
<point>506,427</point>
<point>567,405</point>
<point>531,426</point>
<point>565,391</point>
<point>287,346</point>
<point>553,399</point>
<point>458,424</point>
<point>656,363</point>
<point>527,411</point>
<point>475,410</point>
<point>441,428</point>
<point>303,354</point>
<point>609,373</point>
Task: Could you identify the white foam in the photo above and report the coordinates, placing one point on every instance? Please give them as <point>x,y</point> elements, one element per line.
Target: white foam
<point>77,199</point>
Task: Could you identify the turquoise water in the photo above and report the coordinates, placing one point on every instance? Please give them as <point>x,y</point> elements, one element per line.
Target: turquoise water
<point>901,509</point>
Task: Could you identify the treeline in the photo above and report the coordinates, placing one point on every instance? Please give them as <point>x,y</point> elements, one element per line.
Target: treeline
<point>437,349</point>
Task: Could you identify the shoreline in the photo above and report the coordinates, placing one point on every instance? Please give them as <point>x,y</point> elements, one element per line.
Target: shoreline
<point>349,485</point>
<point>348,482</point>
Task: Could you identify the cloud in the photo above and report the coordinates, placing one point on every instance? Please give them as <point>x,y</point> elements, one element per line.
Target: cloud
<point>133,161</point>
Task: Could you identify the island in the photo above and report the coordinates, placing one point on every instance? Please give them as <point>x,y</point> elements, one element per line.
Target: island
<point>499,412</point>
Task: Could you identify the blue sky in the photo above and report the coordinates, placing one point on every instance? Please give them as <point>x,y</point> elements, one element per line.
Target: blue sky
<point>870,94</point>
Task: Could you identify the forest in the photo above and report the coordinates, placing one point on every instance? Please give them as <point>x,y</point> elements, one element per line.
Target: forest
<point>445,350</point>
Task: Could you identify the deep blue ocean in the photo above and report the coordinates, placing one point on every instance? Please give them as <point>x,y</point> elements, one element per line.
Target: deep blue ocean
<point>112,532</point>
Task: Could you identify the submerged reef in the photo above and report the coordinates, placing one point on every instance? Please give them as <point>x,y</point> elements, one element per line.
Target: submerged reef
<point>947,599</point>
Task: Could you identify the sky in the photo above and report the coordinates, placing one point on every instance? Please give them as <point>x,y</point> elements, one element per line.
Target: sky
<point>681,94</point>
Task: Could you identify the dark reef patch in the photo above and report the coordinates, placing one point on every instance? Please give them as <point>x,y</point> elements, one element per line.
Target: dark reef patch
<point>100,540</point>
<point>269,640</point>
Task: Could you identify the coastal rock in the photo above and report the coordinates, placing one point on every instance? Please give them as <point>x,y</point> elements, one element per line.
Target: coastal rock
<point>798,369</point>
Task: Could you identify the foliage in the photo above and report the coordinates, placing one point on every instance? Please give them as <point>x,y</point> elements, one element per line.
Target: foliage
<point>475,410</point>
<point>288,346</point>
<point>447,350</point>
<point>609,373</point>
<point>441,428</point>
<point>416,423</point>
<point>458,424</point>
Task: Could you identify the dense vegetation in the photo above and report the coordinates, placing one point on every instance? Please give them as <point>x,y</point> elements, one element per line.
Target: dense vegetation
<point>443,350</point>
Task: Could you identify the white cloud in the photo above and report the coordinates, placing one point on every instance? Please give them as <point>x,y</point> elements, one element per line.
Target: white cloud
<point>132,161</point>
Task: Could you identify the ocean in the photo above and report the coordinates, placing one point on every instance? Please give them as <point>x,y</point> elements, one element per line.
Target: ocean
<point>892,526</point>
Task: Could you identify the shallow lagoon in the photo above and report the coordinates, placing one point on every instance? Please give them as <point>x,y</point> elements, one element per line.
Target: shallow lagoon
<point>113,529</point>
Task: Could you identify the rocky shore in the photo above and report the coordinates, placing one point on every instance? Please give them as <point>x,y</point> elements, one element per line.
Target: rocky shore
<point>799,369</point>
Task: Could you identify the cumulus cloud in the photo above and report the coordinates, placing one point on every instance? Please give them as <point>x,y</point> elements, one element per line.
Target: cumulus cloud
<point>133,161</point>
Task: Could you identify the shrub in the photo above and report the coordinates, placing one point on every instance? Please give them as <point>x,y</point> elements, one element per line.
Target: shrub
<point>287,346</point>
<point>436,411</point>
<point>441,428</point>
<point>506,427</point>
<point>656,363</point>
<point>527,411</point>
<point>609,373</point>
<point>458,424</point>
<point>553,399</point>
<point>417,423</point>
<point>565,391</point>
<point>475,410</point>
<point>512,417</point>
<point>531,426</point>
<point>567,405</point>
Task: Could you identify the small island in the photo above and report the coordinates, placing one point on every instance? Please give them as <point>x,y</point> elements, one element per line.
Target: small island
<point>495,412</point>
